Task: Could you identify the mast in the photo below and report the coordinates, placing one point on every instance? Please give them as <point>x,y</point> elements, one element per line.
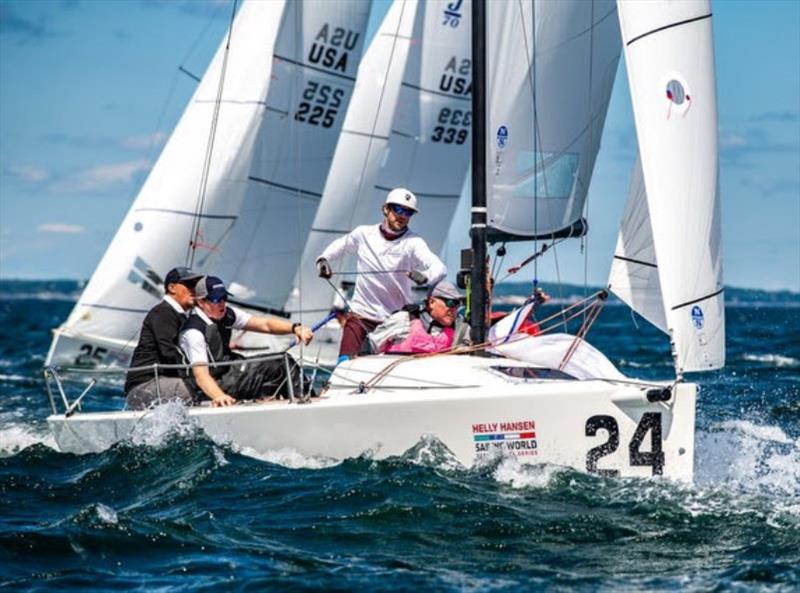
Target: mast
<point>478,222</point>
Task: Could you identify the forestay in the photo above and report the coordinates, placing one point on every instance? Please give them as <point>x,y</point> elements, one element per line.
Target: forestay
<point>670,63</point>
<point>408,125</point>
<point>551,70</point>
<point>245,143</point>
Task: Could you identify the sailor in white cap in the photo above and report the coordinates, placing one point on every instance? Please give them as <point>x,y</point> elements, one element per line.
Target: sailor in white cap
<point>390,256</point>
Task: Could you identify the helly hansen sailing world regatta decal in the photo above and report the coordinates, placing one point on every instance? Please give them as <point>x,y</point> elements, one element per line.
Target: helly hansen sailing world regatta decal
<point>517,437</point>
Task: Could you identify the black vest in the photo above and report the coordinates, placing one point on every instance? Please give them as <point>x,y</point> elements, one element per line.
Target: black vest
<point>218,338</point>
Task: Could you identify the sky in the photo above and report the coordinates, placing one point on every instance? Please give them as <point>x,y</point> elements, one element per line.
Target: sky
<point>90,90</point>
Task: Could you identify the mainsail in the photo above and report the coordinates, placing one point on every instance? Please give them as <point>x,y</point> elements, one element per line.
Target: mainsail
<point>670,63</point>
<point>408,125</point>
<point>260,129</point>
<point>551,70</point>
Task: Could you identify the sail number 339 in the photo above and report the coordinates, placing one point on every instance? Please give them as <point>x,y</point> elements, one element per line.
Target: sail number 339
<point>650,423</point>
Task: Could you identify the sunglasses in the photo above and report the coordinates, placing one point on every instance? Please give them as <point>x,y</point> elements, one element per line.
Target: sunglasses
<point>401,210</point>
<point>450,302</point>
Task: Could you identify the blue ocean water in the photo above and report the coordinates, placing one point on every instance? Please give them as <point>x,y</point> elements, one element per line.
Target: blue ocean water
<point>173,511</point>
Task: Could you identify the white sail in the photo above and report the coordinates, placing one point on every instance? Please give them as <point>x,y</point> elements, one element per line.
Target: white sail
<point>551,70</point>
<point>317,55</point>
<point>634,270</point>
<point>246,104</point>
<point>670,63</point>
<point>408,125</point>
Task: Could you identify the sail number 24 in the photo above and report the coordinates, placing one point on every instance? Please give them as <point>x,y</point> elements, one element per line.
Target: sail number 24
<point>650,423</point>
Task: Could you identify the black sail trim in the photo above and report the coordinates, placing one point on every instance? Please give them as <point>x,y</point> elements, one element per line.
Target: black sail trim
<point>636,261</point>
<point>431,91</point>
<point>288,188</point>
<point>113,308</point>
<point>692,302</point>
<point>315,68</point>
<point>187,213</point>
<point>422,193</point>
<point>365,134</point>
<point>670,26</point>
<point>329,231</point>
<point>577,229</point>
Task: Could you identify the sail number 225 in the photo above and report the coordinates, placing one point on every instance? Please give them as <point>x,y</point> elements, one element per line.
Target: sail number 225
<point>650,423</point>
<point>320,106</point>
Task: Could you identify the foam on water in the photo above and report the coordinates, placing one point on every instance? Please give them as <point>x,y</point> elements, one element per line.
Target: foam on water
<point>748,457</point>
<point>431,452</point>
<point>517,475</point>
<point>163,423</point>
<point>775,360</point>
<point>16,437</point>
<point>290,458</point>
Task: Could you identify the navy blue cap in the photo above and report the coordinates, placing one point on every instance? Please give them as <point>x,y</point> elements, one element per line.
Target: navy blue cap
<point>212,289</point>
<point>181,275</point>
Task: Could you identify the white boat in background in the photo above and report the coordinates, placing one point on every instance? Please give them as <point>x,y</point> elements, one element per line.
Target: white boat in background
<point>237,184</point>
<point>546,69</point>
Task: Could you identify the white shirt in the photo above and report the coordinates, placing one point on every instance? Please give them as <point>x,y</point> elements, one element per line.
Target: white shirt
<point>174,304</point>
<point>193,341</point>
<point>383,285</point>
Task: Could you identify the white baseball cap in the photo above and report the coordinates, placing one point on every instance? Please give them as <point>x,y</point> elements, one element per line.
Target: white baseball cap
<point>402,197</point>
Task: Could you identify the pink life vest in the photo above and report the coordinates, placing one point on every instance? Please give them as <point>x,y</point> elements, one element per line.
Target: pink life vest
<point>419,340</point>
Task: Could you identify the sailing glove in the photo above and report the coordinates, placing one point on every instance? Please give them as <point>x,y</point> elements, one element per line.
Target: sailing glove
<point>324,268</point>
<point>418,277</point>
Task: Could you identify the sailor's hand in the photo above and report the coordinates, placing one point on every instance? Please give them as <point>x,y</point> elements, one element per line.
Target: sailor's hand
<point>417,277</point>
<point>540,296</point>
<point>223,401</point>
<point>303,333</point>
<point>324,268</point>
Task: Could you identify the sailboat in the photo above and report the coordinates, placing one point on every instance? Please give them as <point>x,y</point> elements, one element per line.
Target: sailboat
<point>536,125</point>
<point>239,180</point>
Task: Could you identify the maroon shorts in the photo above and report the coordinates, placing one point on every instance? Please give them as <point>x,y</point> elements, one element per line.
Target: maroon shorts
<point>354,332</point>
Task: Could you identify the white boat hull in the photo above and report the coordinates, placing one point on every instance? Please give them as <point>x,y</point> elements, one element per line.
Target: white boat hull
<point>464,402</point>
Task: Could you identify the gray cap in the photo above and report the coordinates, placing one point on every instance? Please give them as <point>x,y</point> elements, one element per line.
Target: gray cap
<point>445,290</point>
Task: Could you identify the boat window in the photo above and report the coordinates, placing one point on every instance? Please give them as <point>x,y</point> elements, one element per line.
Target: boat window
<point>532,373</point>
<point>545,174</point>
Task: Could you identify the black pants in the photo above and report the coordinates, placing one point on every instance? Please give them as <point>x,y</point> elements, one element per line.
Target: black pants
<point>263,379</point>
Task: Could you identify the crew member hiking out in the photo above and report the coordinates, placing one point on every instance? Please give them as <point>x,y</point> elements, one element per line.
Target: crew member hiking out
<point>389,257</point>
<point>158,344</point>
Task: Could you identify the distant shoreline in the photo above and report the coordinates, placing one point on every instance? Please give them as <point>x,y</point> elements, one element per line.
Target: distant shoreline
<point>507,293</point>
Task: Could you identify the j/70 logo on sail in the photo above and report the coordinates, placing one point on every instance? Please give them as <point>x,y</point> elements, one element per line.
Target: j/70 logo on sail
<point>451,15</point>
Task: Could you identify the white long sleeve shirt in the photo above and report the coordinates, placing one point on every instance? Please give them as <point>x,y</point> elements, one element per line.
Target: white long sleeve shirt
<point>383,285</point>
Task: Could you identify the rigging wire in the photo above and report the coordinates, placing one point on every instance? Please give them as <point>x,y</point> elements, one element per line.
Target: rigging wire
<point>195,234</point>
<point>378,111</point>
<point>294,93</point>
<point>585,237</point>
<point>530,49</point>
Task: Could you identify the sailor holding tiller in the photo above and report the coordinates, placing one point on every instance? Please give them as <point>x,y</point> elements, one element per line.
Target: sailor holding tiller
<point>390,256</point>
